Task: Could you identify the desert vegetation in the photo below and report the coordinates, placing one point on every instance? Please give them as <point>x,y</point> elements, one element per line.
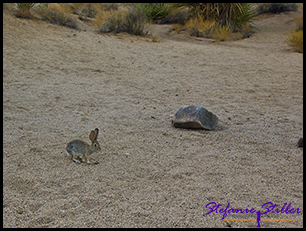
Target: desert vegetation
<point>219,21</point>
<point>275,8</point>
<point>124,19</point>
<point>295,38</point>
<point>24,9</point>
<point>59,14</point>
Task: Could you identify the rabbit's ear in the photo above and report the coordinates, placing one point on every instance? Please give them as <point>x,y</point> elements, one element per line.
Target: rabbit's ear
<point>92,136</point>
<point>96,133</point>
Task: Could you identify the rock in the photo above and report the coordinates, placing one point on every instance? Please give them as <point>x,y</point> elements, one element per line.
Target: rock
<point>194,117</point>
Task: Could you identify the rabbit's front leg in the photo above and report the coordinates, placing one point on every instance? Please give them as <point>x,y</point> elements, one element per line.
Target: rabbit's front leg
<point>85,159</point>
<point>75,160</point>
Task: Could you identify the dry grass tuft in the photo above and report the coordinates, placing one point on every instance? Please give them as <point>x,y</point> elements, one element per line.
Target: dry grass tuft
<point>109,21</point>
<point>155,39</point>
<point>126,19</point>
<point>177,27</point>
<point>23,14</point>
<point>295,40</point>
<point>200,27</point>
<point>222,33</point>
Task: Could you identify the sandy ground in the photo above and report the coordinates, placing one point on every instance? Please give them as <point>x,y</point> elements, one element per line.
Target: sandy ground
<point>60,83</point>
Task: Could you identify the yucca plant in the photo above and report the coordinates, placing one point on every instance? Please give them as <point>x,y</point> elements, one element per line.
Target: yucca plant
<point>26,7</point>
<point>23,10</point>
<point>245,15</point>
<point>231,15</point>
<point>154,11</point>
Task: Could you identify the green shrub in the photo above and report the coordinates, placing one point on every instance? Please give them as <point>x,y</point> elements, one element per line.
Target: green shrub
<point>135,22</point>
<point>276,8</point>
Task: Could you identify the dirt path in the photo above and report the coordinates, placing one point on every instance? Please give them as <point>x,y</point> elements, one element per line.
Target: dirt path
<point>59,84</point>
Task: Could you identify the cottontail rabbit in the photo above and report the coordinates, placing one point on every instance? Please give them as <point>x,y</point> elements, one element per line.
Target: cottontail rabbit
<point>80,149</point>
